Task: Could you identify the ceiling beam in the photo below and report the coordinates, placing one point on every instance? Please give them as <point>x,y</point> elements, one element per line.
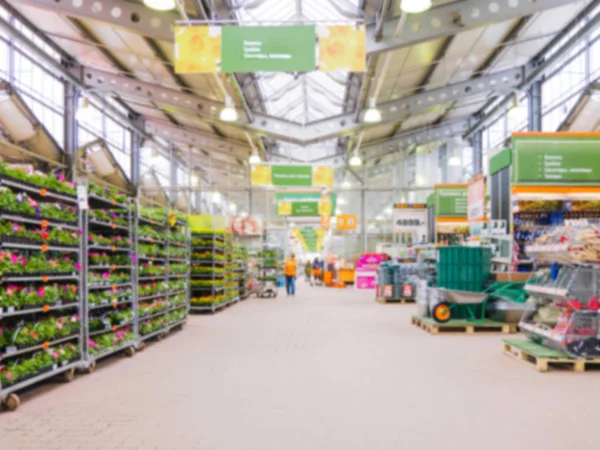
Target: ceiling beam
<point>494,85</point>
<point>198,139</point>
<point>441,21</point>
<point>451,18</point>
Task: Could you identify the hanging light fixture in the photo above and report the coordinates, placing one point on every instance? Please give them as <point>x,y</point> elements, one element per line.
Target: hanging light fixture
<point>516,112</point>
<point>454,160</point>
<point>84,110</point>
<point>216,197</point>
<point>160,5</point>
<point>232,207</point>
<point>346,184</point>
<point>355,161</point>
<point>372,114</point>
<point>155,161</point>
<point>228,113</point>
<point>195,180</point>
<point>415,6</point>
<point>254,157</point>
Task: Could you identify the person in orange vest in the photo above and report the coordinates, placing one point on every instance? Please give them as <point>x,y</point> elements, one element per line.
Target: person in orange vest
<point>290,274</point>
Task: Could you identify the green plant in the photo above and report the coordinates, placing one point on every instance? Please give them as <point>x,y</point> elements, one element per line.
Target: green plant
<point>54,181</point>
<point>107,193</point>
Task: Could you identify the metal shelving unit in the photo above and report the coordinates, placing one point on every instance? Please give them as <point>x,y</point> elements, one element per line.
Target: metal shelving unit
<point>40,312</point>
<point>208,273</point>
<point>109,314</point>
<point>163,276</point>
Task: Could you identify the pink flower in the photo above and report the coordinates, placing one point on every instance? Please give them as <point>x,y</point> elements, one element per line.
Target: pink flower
<point>41,291</point>
<point>8,375</point>
<point>53,264</point>
<point>115,341</point>
<point>119,335</point>
<point>14,259</point>
<point>55,355</point>
<point>77,266</point>
<point>67,259</point>
<point>106,275</point>
<point>75,317</point>
<point>9,291</point>
<point>59,325</point>
<point>23,261</point>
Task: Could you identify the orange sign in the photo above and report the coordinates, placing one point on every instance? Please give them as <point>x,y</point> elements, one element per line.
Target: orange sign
<point>347,222</point>
<point>325,221</point>
<point>342,47</point>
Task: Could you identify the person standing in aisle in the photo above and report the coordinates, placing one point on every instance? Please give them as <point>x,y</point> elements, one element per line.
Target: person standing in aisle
<point>290,274</point>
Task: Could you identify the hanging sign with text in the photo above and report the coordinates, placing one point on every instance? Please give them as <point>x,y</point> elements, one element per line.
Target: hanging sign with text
<point>451,201</point>
<point>291,175</point>
<point>540,158</point>
<point>285,48</point>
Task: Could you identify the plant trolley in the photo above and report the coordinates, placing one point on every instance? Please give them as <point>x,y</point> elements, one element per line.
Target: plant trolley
<point>41,333</point>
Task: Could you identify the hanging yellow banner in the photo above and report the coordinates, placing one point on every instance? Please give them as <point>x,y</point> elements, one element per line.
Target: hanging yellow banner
<point>260,175</point>
<point>323,176</point>
<point>284,208</point>
<point>197,49</point>
<point>325,205</point>
<point>342,47</point>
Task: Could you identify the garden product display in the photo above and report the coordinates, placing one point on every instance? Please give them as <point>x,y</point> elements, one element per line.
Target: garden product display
<point>40,328</point>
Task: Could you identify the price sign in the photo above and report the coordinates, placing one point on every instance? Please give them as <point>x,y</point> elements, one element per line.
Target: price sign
<point>82,197</point>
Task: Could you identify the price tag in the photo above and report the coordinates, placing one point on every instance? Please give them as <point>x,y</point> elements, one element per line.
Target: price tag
<point>82,197</point>
<point>44,248</point>
<point>113,248</point>
<point>43,192</point>
<point>114,328</point>
<point>45,345</point>
<point>114,304</point>
<point>45,279</point>
<point>114,287</point>
<point>46,308</point>
<point>44,224</point>
<point>114,226</point>
<point>114,202</point>
<point>114,267</point>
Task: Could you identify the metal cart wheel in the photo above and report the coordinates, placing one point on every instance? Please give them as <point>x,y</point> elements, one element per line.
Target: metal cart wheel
<point>92,367</point>
<point>12,402</point>
<point>130,351</point>
<point>141,346</point>
<point>69,375</point>
<point>441,312</point>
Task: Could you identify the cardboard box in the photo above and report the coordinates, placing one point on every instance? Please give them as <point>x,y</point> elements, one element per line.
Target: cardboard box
<point>515,277</point>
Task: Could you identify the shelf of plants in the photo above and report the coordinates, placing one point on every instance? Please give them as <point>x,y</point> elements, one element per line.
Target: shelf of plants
<point>232,291</point>
<point>40,267</point>
<point>240,268</point>
<point>270,262</point>
<point>565,298</point>
<point>208,271</point>
<point>162,276</point>
<point>110,312</point>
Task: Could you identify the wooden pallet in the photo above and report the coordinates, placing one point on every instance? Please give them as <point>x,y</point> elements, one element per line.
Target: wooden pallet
<point>394,300</point>
<point>543,358</point>
<point>463,326</point>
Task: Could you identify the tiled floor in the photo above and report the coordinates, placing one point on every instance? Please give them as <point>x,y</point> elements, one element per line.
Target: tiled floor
<point>329,369</point>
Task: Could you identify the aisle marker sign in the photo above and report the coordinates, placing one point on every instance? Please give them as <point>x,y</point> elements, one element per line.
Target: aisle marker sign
<point>556,159</point>
<point>292,175</point>
<point>284,48</point>
<point>451,201</point>
<point>476,199</point>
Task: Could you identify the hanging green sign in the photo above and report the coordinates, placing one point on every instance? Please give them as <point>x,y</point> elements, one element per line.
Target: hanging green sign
<point>556,159</point>
<point>268,48</point>
<point>292,176</point>
<point>303,204</point>
<point>451,201</point>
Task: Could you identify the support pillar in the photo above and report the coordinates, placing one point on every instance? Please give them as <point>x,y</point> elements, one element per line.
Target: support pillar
<point>443,162</point>
<point>135,161</point>
<point>477,146</point>
<point>363,218</point>
<point>534,100</point>
<point>70,128</point>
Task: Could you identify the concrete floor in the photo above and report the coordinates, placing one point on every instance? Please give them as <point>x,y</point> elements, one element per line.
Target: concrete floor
<point>329,369</point>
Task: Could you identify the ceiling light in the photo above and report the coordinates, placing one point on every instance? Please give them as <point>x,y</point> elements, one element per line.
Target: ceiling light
<point>84,110</point>
<point>195,180</point>
<point>292,224</point>
<point>379,217</point>
<point>356,161</point>
<point>372,114</point>
<point>342,201</point>
<point>346,184</point>
<point>338,211</point>
<point>155,161</point>
<point>516,113</point>
<point>232,207</point>
<point>160,5</point>
<point>454,161</point>
<point>254,158</point>
<point>388,210</point>
<point>216,197</point>
<point>415,6</point>
<point>228,113</point>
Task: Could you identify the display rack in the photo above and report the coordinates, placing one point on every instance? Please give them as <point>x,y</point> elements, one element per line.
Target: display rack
<point>231,276</point>
<point>207,284</point>
<point>270,262</point>
<point>109,315</point>
<point>565,298</point>
<point>240,268</point>
<point>162,273</point>
<point>41,334</point>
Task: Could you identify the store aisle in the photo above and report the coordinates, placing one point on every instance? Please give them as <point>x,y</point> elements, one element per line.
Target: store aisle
<point>328,369</point>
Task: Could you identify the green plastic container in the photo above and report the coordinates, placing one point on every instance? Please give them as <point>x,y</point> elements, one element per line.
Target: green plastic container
<point>464,268</point>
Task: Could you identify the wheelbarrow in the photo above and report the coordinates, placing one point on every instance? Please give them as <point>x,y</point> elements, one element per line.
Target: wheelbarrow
<point>475,303</point>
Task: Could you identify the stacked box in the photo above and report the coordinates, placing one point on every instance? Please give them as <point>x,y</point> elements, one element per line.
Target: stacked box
<point>464,268</point>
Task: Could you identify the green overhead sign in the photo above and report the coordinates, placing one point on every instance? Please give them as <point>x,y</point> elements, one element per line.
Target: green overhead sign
<point>500,160</point>
<point>303,204</point>
<point>292,176</point>
<point>541,159</point>
<point>451,201</point>
<point>268,48</point>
